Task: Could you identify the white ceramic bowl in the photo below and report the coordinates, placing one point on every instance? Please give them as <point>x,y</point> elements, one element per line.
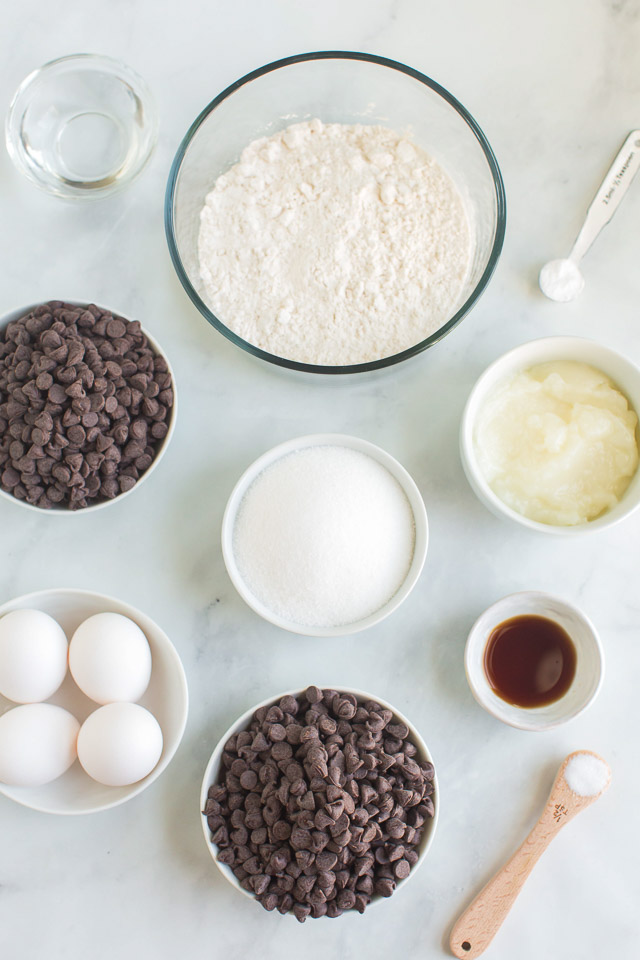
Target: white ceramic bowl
<point>166,698</point>
<point>620,370</point>
<point>316,440</point>
<point>65,511</point>
<point>213,769</point>
<point>589,660</point>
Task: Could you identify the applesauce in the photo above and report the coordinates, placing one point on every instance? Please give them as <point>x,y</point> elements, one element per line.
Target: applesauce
<point>557,442</point>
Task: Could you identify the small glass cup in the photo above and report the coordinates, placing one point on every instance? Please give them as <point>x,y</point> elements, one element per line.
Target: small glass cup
<point>82,126</point>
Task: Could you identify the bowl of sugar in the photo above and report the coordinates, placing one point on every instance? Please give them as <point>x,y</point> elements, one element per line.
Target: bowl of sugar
<point>325,535</point>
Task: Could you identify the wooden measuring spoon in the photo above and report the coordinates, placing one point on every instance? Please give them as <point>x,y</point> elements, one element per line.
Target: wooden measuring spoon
<point>478,925</point>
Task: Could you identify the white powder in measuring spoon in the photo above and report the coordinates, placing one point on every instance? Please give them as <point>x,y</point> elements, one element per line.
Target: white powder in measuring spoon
<point>561,280</point>
<point>587,775</point>
<point>324,536</point>
<point>334,244</point>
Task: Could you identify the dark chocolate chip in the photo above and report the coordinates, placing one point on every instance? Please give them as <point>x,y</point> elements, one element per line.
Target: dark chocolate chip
<point>55,365</point>
<point>310,800</point>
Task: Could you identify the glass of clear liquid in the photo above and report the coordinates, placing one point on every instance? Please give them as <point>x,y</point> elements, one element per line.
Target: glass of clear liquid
<point>82,126</point>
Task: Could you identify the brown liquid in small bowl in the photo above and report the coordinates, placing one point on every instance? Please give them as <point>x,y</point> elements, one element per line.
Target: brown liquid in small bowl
<point>530,661</point>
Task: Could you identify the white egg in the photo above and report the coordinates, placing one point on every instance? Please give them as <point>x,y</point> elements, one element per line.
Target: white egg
<point>119,744</point>
<point>37,744</point>
<point>110,658</point>
<point>33,656</point>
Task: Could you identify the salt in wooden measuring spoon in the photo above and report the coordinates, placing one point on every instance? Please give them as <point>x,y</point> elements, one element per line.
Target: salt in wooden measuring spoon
<point>587,777</point>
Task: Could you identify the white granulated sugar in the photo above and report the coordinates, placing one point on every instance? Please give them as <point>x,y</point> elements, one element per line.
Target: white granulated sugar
<point>334,244</point>
<point>587,775</point>
<point>324,537</point>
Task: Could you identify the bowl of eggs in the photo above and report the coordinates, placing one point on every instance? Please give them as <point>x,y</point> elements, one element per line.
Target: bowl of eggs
<point>93,701</point>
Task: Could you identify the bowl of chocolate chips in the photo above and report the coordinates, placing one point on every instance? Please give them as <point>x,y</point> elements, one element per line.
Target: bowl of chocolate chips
<point>87,406</point>
<point>320,802</point>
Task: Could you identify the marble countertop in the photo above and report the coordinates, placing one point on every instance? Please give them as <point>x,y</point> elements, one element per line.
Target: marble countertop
<point>555,87</point>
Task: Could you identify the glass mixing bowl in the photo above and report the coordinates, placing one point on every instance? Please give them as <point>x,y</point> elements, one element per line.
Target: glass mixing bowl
<point>336,87</point>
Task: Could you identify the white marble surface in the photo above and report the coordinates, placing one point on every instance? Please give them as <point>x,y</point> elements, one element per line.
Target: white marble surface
<point>555,87</point>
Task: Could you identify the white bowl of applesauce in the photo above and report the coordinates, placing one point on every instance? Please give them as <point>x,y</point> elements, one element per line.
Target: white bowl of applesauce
<point>549,436</point>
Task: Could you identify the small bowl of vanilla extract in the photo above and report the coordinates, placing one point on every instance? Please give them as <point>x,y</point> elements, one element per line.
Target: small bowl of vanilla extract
<point>534,660</point>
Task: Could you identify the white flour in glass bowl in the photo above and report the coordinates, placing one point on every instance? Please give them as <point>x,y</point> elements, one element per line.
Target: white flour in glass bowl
<point>334,244</point>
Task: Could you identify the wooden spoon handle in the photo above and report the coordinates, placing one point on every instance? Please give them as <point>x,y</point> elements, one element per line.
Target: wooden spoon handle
<point>478,925</point>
